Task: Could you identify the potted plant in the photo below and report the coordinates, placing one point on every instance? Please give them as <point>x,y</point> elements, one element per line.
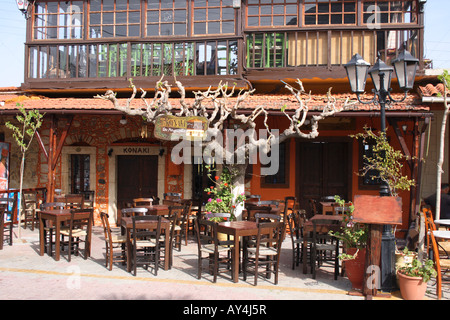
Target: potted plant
<point>221,197</point>
<point>413,278</point>
<point>386,162</point>
<point>354,237</point>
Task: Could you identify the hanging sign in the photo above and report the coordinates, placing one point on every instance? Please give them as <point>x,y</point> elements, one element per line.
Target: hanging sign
<point>172,128</point>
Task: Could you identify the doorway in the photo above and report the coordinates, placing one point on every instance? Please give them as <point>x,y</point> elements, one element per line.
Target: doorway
<point>324,169</point>
<point>137,177</point>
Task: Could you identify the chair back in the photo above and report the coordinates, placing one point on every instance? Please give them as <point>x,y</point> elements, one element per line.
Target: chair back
<point>106,228</point>
<point>52,206</point>
<point>267,217</point>
<point>131,212</point>
<point>218,215</point>
<point>290,204</point>
<point>81,219</point>
<point>312,207</point>
<point>273,238</point>
<point>143,232</point>
<point>206,232</point>
<point>172,196</point>
<point>88,198</point>
<point>9,204</point>
<point>142,202</point>
<point>74,201</point>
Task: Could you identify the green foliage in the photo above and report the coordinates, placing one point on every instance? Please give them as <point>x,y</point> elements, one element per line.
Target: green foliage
<point>31,121</point>
<point>445,79</point>
<point>221,195</point>
<point>423,270</point>
<point>353,235</point>
<point>387,162</point>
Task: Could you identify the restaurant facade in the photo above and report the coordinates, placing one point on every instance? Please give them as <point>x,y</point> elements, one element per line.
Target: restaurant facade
<point>76,50</point>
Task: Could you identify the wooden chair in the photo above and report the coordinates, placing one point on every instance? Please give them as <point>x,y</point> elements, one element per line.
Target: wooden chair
<point>81,221</point>
<point>217,252</point>
<point>174,216</point>
<point>131,212</point>
<point>48,227</point>
<point>266,251</point>
<point>8,207</point>
<point>112,241</point>
<point>181,230</point>
<point>88,199</point>
<point>312,207</point>
<point>146,243</point>
<point>441,262</point>
<point>142,202</point>
<point>74,201</point>
<point>324,247</point>
<point>295,221</point>
<point>29,206</point>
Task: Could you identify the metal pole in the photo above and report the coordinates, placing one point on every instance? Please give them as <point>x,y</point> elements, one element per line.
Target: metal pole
<point>387,238</point>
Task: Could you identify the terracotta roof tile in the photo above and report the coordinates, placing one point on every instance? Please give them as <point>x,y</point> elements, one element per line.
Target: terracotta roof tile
<point>271,102</point>
<point>431,90</point>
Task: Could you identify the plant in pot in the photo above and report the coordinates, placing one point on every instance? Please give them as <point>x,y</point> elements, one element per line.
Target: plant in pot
<point>354,237</point>
<point>385,164</point>
<point>221,198</point>
<point>413,278</point>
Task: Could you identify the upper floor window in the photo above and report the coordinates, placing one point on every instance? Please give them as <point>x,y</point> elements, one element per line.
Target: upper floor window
<point>213,17</point>
<point>114,18</point>
<point>167,18</point>
<point>272,13</point>
<point>323,12</point>
<point>58,20</point>
<point>382,11</point>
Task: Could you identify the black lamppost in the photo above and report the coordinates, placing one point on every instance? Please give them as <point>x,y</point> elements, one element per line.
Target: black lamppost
<point>405,67</point>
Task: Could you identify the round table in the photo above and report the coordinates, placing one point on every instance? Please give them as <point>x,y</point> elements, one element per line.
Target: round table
<point>442,234</point>
<point>443,222</point>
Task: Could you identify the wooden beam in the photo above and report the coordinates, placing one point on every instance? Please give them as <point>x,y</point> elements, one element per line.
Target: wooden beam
<point>62,139</point>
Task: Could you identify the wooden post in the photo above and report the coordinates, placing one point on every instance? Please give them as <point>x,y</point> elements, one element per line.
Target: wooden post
<point>375,211</point>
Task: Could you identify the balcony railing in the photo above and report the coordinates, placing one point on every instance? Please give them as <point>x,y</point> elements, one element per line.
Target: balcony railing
<point>326,48</point>
<point>113,60</point>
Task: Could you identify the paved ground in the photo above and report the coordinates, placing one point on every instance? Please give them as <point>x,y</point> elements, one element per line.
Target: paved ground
<point>25,275</point>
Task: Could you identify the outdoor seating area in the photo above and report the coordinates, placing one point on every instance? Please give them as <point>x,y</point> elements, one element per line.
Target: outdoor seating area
<point>276,241</point>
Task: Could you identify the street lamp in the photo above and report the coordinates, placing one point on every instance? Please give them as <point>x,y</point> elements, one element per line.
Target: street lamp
<point>405,67</point>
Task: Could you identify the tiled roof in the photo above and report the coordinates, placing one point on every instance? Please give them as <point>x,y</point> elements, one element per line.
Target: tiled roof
<point>431,90</point>
<point>271,102</point>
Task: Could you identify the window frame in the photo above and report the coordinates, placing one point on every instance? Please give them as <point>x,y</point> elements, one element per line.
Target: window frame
<point>260,5</point>
<point>268,184</point>
<point>329,13</point>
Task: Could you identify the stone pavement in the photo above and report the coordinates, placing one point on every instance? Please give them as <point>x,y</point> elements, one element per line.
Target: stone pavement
<point>25,275</point>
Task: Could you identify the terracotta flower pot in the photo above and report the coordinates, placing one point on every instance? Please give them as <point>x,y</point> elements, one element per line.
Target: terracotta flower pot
<point>355,268</point>
<point>411,288</point>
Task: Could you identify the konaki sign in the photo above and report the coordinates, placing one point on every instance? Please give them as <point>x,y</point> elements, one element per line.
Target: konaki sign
<point>168,127</point>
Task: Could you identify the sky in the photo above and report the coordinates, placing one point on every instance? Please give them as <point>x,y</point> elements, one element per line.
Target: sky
<point>13,25</point>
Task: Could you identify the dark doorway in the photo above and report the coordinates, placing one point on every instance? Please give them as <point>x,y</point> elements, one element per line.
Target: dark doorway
<point>79,173</point>
<point>323,170</point>
<point>200,182</point>
<point>137,177</point>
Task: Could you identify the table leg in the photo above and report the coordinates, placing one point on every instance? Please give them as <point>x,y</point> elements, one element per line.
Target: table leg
<point>41,236</point>
<point>305,256</point>
<point>167,249</point>
<point>58,240</point>
<point>236,258</point>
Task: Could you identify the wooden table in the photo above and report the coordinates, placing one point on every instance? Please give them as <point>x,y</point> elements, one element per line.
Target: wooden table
<point>57,217</point>
<point>237,229</point>
<point>127,227</point>
<point>309,227</point>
